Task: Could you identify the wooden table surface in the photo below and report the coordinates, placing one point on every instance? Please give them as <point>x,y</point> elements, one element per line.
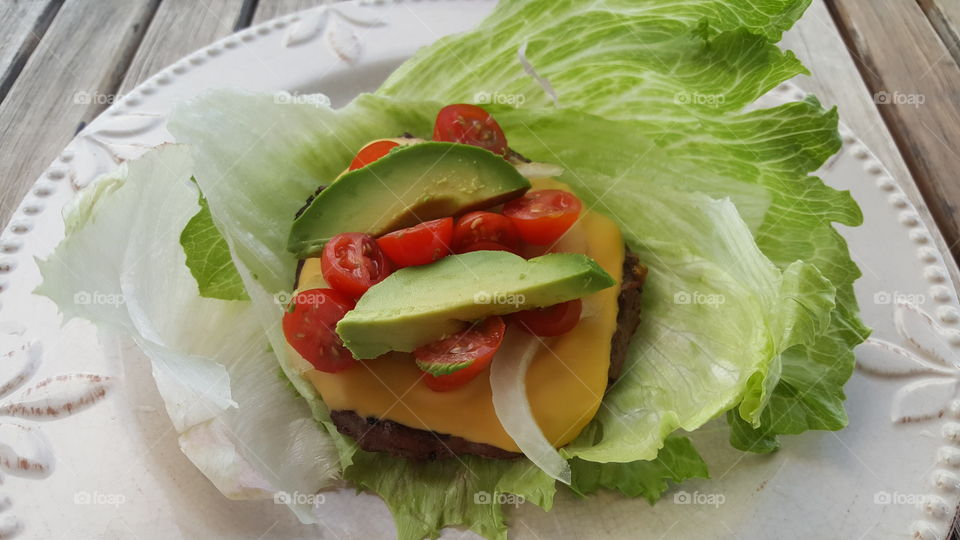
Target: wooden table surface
<point>892,67</point>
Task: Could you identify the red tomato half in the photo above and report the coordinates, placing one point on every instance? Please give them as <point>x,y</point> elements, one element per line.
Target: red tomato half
<point>469,124</point>
<point>550,321</point>
<point>372,152</point>
<point>474,347</point>
<point>421,244</point>
<point>353,262</point>
<point>310,327</point>
<point>543,216</point>
<point>484,228</point>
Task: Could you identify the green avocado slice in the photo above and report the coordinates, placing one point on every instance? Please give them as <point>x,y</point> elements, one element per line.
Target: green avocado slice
<point>421,304</point>
<point>409,185</point>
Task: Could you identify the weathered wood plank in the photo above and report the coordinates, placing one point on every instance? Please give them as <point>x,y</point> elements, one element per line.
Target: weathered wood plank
<point>836,81</point>
<point>86,48</point>
<point>179,28</point>
<point>944,15</point>
<point>950,10</point>
<point>914,79</point>
<point>24,22</point>
<point>269,9</point>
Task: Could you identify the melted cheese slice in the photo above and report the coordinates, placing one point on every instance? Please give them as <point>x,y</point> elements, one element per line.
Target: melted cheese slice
<point>565,382</point>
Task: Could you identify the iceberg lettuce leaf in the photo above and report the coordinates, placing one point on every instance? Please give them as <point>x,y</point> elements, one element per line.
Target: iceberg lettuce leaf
<point>651,60</point>
<point>468,491</point>
<point>208,257</point>
<point>122,266</point>
<point>676,462</point>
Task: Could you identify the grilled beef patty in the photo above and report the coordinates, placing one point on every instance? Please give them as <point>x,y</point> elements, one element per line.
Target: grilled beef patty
<point>375,435</point>
<point>628,312</point>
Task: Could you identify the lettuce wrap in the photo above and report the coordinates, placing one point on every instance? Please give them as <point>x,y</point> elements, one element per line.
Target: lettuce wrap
<point>642,104</point>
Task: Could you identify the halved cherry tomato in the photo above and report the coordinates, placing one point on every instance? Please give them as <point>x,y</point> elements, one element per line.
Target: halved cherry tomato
<point>353,262</point>
<point>482,228</point>
<point>473,347</point>
<point>469,124</point>
<point>421,244</point>
<point>550,321</point>
<point>310,327</point>
<point>372,152</point>
<point>543,216</point>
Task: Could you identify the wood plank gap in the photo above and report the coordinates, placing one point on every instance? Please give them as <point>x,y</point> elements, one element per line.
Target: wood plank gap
<point>246,14</point>
<point>28,46</point>
<point>954,532</point>
<point>270,9</point>
<point>176,30</point>
<point>941,24</point>
<point>115,77</point>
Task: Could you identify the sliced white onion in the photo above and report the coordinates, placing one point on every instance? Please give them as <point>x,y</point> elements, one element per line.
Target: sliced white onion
<point>535,169</point>
<point>590,309</point>
<point>531,71</point>
<point>508,375</point>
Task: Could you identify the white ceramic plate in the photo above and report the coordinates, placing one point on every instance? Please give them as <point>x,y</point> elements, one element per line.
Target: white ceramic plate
<point>107,465</point>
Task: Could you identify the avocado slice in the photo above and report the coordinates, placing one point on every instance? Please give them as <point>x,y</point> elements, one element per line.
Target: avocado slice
<point>411,184</point>
<point>421,304</point>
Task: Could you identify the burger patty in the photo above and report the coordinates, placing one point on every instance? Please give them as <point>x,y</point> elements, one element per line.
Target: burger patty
<point>628,312</point>
<point>376,435</point>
